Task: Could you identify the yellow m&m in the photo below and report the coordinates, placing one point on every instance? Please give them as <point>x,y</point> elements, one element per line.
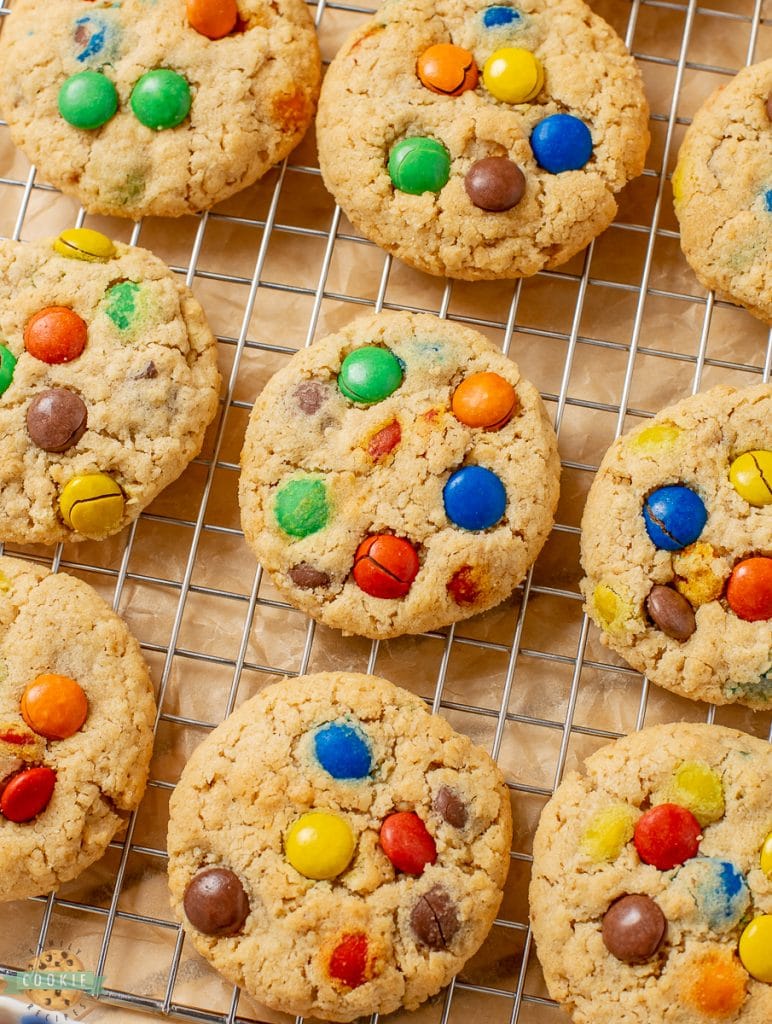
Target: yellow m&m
<point>696,787</point>
<point>756,948</point>
<point>320,845</point>
<point>751,476</point>
<point>513,75</point>
<point>650,439</point>
<point>92,504</point>
<point>766,856</point>
<point>608,832</point>
<point>84,244</point>
<point>611,609</point>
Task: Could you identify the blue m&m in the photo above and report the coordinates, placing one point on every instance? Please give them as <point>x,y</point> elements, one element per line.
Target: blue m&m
<point>342,751</point>
<point>498,16</point>
<point>674,516</point>
<point>561,142</point>
<point>474,498</point>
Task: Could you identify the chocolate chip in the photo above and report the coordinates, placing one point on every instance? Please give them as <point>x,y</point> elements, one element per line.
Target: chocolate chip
<point>671,612</point>
<point>450,805</point>
<point>215,902</point>
<point>434,919</point>
<point>306,577</point>
<point>149,372</point>
<point>495,184</point>
<point>56,419</point>
<point>310,396</point>
<point>633,929</point>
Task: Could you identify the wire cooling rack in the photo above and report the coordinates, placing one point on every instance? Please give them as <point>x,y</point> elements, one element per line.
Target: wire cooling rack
<point>616,334</point>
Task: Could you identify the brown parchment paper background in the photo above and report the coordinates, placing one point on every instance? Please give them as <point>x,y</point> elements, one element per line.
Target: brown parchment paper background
<point>186,583</point>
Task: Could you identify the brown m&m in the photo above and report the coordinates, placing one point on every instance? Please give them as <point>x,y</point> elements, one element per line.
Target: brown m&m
<point>495,183</point>
<point>671,612</point>
<point>215,902</point>
<point>633,928</point>
<point>56,419</point>
<point>434,918</point>
<point>450,805</point>
<point>306,577</point>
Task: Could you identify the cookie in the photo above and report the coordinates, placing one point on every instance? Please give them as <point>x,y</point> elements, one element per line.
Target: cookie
<point>398,476</point>
<point>722,188</point>
<point>651,891</point>
<point>336,850</point>
<point>677,547</point>
<point>482,141</point>
<point>108,380</point>
<point>76,727</point>
<point>161,108</point>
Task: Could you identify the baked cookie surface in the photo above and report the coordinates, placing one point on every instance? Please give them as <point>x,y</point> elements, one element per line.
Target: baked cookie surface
<point>336,850</point>
<point>76,727</point>
<point>108,380</point>
<point>677,547</point>
<point>722,188</point>
<point>651,893</point>
<point>482,141</point>
<point>135,112</point>
<point>398,476</point>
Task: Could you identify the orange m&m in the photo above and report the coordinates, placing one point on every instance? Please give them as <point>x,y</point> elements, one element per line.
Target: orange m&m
<point>212,18</point>
<point>715,984</point>
<point>749,590</point>
<point>385,566</point>
<point>447,69</point>
<point>484,400</point>
<point>55,335</point>
<point>54,706</point>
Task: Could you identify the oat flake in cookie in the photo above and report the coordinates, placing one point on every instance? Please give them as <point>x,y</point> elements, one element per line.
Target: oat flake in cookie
<point>722,188</point>
<point>677,547</point>
<point>76,727</point>
<point>336,850</point>
<point>108,381</point>
<point>651,891</point>
<point>480,140</point>
<point>161,108</point>
<point>398,476</point>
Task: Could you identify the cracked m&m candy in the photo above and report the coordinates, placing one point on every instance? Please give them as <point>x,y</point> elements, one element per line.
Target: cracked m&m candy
<point>342,751</point>
<point>84,244</point>
<point>87,100</point>
<point>55,334</point>
<point>667,835</point>
<point>320,845</point>
<point>561,142</point>
<point>92,504</point>
<point>513,75</point>
<point>385,566</point>
<point>369,374</point>
<point>756,948</point>
<point>161,99</point>
<point>434,918</point>
<point>484,400</point>
<point>474,498</point>
<point>417,165</point>
<point>7,366</point>
<point>447,69</point>
<point>751,476</point>
<point>27,794</point>
<point>54,706</point>
<point>749,590</point>
<point>301,506</point>
<point>212,18</point>
<point>675,516</point>
<point>215,902</point>
<point>407,843</point>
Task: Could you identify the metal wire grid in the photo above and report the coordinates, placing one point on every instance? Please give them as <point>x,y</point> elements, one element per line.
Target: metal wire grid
<point>514,1004</point>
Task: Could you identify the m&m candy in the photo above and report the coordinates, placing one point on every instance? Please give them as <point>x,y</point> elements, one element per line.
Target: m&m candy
<point>320,845</point>
<point>7,366</point>
<point>561,142</point>
<point>55,334</point>
<point>342,751</point>
<point>384,441</point>
<point>56,419</point>
<point>301,506</point>
<point>749,590</point>
<point>633,928</point>
<point>756,948</point>
<point>608,832</point>
<point>385,566</point>
<point>84,244</point>
<point>720,890</point>
<point>698,788</point>
<point>499,16</point>
<point>212,18</point>
<point>407,843</point>
<point>54,706</point>
<point>92,504</point>
<point>27,794</point>
<point>349,961</point>
<point>765,858</point>
<point>474,498</point>
<point>87,100</point>
<point>434,918</point>
<point>652,439</point>
<point>215,902</point>
<point>513,75</point>
<point>716,984</point>
<point>751,476</point>
<point>161,99</point>
<point>674,516</point>
<point>369,374</point>
<point>671,612</point>
<point>495,184</point>
<point>447,69</point>
<point>484,400</point>
<point>462,586</point>
<point>667,835</point>
<point>418,164</point>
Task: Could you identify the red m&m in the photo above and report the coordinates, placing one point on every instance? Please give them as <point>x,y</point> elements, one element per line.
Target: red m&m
<point>27,793</point>
<point>349,962</point>
<point>385,566</point>
<point>666,836</point>
<point>55,335</point>
<point>749,591</point>
<point>407,843</point>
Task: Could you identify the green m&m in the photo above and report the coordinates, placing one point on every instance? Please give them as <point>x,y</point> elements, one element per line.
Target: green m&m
<point>87,100</point>
<point>418,165</point>
<point>369,374</point>
<point>301,506</point>
<point>161,99</point>
<point>7,366</point>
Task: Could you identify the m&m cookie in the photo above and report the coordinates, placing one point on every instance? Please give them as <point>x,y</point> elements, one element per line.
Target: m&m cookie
<point>478,140</point>
<point>108,380</point>
<point>677,547</point>
<point>162,108</point>
<point>722,187</point>
<point>398,476</point>
<point>336,850</point>
<point>76,727</point>
<point>650,894</point>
